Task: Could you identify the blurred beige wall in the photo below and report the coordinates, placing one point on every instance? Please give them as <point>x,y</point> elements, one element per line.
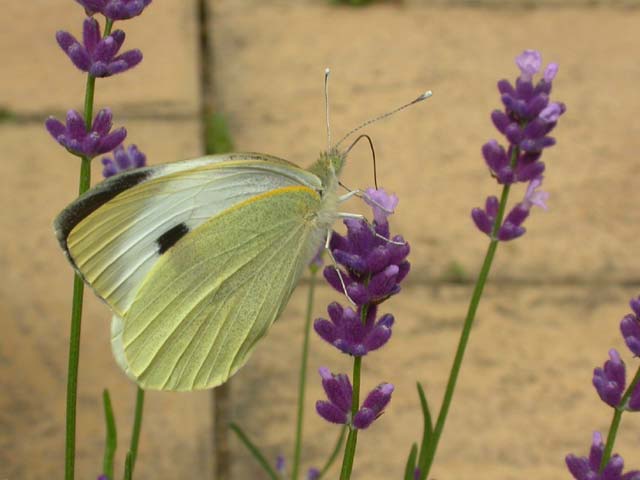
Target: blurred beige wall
<point>555,297</point>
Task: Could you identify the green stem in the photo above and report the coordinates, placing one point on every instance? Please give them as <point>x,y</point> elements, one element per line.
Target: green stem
<point>464,336</point>
<point>137,426</point>
<point>108,25</point>
<point>334,454</point>
<point>78,294</point>
<point>76,323</point>
<point>88,100</point>
<point>352,439</point>
<point>128,471</point>
<point>615,421</point>
<point>297,451</point>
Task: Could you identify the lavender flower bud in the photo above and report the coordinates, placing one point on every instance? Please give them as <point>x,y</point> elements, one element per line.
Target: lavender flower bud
<point>339,391</point>
<point>550,72</point>
<point>501,120</point>
<point>373,406</point>
<point>610,380</point>
<point>630,327</point>
<point>634,401</point>
<point>313,474</point>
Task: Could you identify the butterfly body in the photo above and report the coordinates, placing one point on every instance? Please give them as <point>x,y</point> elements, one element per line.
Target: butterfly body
<point>197,259</point>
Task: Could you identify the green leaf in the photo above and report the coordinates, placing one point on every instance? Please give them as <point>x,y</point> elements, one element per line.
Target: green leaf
<point>217,136</point>
<point>253,449</point>
<point>6,115</point>
<point>111,438</point>
<point>411,462</point>
<point>137,426</point>
<point>427,429</point>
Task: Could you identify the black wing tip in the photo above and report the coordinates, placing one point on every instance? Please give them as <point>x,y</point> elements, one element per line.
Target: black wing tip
<point>93,199</point>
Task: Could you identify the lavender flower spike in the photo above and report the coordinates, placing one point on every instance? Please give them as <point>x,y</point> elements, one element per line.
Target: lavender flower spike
<point>583,468</point>
<point>97,55</point>
<point>123,160</point>
<point>630,327</point>
<point>526,121</point>
<point>115,9</point>
<point>374,266</point>
<point>75,138</point>
<point>313,474</point>
<point>610,380</point>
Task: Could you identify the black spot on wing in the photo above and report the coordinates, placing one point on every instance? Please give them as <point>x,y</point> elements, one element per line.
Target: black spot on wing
<point>89,202</point>
<point>169,238</point>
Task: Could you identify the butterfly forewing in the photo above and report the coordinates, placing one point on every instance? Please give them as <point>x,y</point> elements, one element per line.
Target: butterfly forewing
<point>116,233</point>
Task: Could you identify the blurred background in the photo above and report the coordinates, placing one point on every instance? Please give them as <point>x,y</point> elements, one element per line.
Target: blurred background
<point>554,299</point>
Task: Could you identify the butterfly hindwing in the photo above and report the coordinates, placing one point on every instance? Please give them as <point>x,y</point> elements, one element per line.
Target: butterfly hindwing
<point>205,303</point>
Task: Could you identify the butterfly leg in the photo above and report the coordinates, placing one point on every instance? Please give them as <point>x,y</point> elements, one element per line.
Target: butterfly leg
<point>371,227</point>
<point>335,265</point>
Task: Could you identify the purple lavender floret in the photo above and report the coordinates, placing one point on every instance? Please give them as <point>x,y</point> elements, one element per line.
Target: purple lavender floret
<point>373,406</point>
<point>97,55</point>
<point>123,160</point>
<point>339,392</point>
<point>528,117</point>
<point>338,407</point>
<point>610,380</point>
<point>583,468</point>
<point>75,137</point>
<point>313,474</point>
<point>115,9</point>
<point>349,334</point>
<point>630,327</point>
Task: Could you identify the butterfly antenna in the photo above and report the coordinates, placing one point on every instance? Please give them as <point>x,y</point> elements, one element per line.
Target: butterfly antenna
<point>326,105</point>
<point>373,154</point>
<point>420,98</point>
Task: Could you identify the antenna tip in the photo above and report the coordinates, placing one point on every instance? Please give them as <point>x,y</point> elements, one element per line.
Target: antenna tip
<point>327,71</point>
<point>425,95</point>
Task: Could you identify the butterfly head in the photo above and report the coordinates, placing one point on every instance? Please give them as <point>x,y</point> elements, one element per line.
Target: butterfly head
<point>329,165</point>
